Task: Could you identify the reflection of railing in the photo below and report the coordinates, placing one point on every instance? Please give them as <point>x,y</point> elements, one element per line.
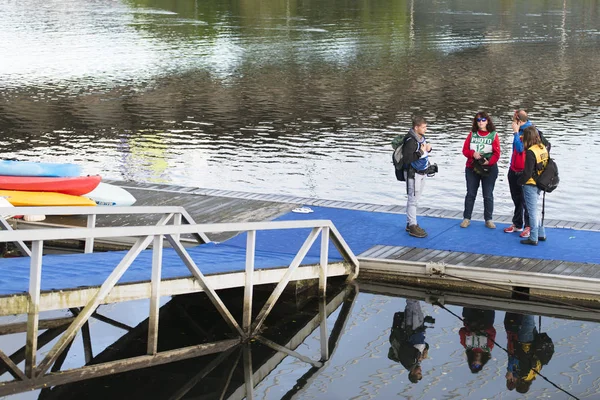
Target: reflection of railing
<point>35,376</point>
<point>253,374</point>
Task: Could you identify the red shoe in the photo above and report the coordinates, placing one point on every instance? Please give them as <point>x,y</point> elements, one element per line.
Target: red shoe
<point>526,232</point>
<point>512,229</point>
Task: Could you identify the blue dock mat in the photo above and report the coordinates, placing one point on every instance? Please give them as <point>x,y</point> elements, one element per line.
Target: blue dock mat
<point>360,229</point>
<point>365,229</point>
<point>70,271</point>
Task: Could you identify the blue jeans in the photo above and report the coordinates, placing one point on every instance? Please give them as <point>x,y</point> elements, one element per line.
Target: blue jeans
<point>487,186</point>
<point>532,193</point>
<point>527,330</point>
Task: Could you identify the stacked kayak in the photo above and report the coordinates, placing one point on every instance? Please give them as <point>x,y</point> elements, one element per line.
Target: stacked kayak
<point>25,183</point>
<point>75,186</point>
<point>26,168</point>
<point>48,199</point>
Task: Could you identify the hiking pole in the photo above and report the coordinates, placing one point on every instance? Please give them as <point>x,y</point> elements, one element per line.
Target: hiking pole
<point>543,206</point>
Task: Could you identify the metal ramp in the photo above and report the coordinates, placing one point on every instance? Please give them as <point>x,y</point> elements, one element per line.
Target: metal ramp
<point>173,223</point>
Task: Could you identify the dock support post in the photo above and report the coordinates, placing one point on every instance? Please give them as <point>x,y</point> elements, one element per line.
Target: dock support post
<point>87,342</point>
<point>323,330</point>
<point>249,284</point>
<point>177,222</point>
<point>157,252</point>
<point>248,373</point>
<point>324,260</point>
<point>33,314</point>
<point>89,242</point>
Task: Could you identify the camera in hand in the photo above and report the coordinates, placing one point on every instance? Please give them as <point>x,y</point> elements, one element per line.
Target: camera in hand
<point>480,168</point>
<point>432,170</point>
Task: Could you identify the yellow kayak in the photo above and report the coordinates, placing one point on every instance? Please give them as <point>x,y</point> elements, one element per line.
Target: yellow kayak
<point>48,199</point>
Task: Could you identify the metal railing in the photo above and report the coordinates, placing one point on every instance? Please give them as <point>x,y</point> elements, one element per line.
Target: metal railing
<point>179,215</point>
<point>154,235</point>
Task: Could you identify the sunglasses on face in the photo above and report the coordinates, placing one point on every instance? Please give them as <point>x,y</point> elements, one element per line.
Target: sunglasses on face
<point>481,119</point>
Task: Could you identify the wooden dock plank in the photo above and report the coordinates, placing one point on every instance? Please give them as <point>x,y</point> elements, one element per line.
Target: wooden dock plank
<point>417,255</point>
<point>498,262</point>
<point>382,250</point>
<point>430,256</point>
<point>400,252</point>
<point>550,266</point>
<point>370,251</point>
<point>438,258</point>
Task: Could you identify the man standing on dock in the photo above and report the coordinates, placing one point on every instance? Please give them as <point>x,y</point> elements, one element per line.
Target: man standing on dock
<point>415,154</point>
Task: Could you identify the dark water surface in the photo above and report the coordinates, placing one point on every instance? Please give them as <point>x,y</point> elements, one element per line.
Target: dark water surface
<point>298,97</point>
<point>364,362</point>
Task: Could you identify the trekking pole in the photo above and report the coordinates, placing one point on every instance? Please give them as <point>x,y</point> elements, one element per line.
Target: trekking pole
<point>543,206</point>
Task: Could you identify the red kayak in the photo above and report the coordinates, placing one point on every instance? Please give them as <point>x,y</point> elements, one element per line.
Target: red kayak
<point>75,186</point>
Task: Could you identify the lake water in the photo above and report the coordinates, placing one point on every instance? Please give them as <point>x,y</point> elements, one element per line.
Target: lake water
<point>299,97</point>
<point>364,362</point>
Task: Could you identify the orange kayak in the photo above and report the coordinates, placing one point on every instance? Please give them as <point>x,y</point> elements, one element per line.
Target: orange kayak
<point>75,186</point>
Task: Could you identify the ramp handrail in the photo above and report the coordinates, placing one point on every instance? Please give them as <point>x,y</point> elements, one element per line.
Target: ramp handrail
<point>178,213</point>
<point>154,234</point>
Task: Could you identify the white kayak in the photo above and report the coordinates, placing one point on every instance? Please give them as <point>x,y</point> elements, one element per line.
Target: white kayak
<point>106,194</point>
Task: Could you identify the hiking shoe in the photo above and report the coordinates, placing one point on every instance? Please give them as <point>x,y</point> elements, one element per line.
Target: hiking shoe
<point>541,238</point>
<point>490,224</point>
<point>526,232</point>
<point>416,231</point>
<point>465,223</point>
<point>529,241</point>
<point>512,229</point>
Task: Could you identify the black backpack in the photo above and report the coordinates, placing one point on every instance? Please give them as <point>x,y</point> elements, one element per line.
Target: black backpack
<point>548,180</point>
<point>398,160</point>
<point>543,347</point>
<point>545,141</point>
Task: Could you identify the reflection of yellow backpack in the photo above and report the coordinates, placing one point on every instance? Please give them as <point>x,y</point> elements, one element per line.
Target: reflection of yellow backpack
<point>535,368</point>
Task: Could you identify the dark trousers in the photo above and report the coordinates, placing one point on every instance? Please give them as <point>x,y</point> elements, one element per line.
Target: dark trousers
<point>516,192</point>
<point>487,186</point>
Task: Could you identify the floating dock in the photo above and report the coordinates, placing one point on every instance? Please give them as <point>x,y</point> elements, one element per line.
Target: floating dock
<point>222,239</point>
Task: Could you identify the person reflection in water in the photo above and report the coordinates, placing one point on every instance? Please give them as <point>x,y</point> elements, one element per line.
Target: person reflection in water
<point>512,324</point>
<point>407,339</point>
<point>528,351</point>
<point>477,336</point>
